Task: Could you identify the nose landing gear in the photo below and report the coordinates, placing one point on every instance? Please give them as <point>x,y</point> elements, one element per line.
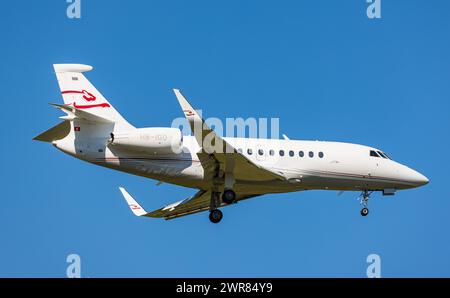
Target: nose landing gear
<point>364,201</point>
<point>364,211</point>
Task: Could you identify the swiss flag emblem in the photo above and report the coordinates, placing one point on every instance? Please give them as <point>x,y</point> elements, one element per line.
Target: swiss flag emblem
<point>77,128</point>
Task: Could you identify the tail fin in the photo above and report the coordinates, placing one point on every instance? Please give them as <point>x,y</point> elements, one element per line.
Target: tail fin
<point>78,92</point>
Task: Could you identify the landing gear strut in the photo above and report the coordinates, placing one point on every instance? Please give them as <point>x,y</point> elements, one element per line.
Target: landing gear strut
<point>228,195</point>
<point>215,215</point>
<point>364,200</point>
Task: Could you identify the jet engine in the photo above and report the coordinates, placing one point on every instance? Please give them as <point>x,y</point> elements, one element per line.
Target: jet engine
<point>153,140</point>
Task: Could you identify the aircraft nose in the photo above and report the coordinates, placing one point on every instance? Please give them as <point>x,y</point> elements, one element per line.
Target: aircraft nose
<point>422,179</point>
<point>416,178</point>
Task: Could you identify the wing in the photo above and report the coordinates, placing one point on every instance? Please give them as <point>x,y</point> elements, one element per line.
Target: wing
<point>213,145</point>
<point>197,203</point>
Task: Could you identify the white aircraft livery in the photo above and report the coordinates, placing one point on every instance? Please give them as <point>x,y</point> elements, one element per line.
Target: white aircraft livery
<point>224,170</point>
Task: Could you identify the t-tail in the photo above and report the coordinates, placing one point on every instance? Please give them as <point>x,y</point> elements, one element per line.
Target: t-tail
<point>83,104</point>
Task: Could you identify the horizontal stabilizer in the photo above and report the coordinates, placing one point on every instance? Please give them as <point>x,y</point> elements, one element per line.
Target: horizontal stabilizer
<point>57,132</point>
<point>74,113</point>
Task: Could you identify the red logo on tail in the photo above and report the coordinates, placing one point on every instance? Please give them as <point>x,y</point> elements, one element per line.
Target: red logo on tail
<point>88,97</point>
<point>100,105</point>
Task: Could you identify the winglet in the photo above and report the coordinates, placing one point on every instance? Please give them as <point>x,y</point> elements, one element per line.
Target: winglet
<point>198,126</point>
<point>215,143</point>
<point>134,206</point>
<point>188,110</point>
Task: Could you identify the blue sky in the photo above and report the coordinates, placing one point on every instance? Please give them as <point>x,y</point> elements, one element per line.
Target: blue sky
<point>322,67</point>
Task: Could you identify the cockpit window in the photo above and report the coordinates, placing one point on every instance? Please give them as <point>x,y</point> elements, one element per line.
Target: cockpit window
<point>382,154</point>
<point>378,153</point>
<point>374,153</point>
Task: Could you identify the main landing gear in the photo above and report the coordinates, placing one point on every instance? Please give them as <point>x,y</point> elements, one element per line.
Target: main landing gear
<point>215,216</point>
<point>228,197</point>
<point>364,200</point>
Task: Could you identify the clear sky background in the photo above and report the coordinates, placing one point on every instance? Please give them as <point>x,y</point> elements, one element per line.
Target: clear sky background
<point>322,67</point>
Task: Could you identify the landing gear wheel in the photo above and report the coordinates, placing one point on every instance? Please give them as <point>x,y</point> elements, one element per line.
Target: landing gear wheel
<point>215,216</point>
<point>364,211</point>
<point>228,196</point>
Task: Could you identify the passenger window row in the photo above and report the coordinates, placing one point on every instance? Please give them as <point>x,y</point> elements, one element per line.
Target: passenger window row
<point>282,153</point>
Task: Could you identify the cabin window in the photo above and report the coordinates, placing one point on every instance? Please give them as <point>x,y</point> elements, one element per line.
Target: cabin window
<point>311,154</point>
<point>373,153</point>
<point>261,152</point>
<point>321,154</point>
<point>291,153</point>
<point>301,153</point>
<point>281,152</point>
<point>271,152</point>
<point>249,151</point>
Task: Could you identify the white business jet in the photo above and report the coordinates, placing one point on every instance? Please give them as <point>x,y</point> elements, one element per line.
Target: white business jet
<point>224,170</point>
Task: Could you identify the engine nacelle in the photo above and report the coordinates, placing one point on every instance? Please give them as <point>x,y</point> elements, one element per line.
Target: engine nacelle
<point>153,140</point>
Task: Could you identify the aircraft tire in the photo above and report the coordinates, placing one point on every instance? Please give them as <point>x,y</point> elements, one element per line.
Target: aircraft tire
<point>215,216</point>
<point>364,211</point>
<point>228,196</point>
